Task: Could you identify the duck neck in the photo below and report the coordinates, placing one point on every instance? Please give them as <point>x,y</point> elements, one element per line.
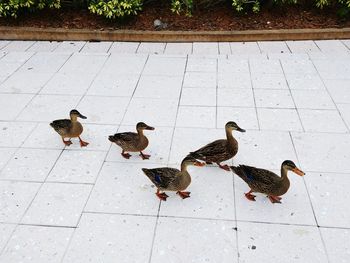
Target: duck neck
<point>284,173</point>
<point>229,135</point>
<point>140,133</point>
<point>184,167</point>
<point>73,118</point>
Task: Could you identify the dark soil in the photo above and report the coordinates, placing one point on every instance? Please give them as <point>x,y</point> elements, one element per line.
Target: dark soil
<point>221,17</point>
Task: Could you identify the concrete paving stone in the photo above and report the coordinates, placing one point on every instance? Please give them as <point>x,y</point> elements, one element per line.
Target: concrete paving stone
<point>124,47</point>
<point>336,242</point>
<point>302,46</point>
<point>178,48</point>
<point>279,119</point>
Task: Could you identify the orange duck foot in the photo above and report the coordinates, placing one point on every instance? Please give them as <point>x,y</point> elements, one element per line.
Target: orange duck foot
<point>126,155</point>
<point>225,167</point>
<point>144,156</point>
<point>82,143</point>
<point>183,195</point>
<point>249,196</point>
<point>274,199</point>
<point>162,196</point>
<point>67,143</point>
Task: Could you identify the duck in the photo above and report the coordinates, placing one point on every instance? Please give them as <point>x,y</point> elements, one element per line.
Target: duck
<point>172,179</point>
<point>220,150</point>
<point>132,142</point>
<point>70,128</point>
<point>266,182</point>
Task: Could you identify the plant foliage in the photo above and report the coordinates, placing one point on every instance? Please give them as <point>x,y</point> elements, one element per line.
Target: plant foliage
<point>11,8</point>
<point>115,8</point>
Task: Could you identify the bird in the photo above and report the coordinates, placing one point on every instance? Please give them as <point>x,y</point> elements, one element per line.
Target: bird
<point>171,179</point>
<point>220,150</point>
<point>267,182</point>
<point>132,142</point>
<point>70,128</point>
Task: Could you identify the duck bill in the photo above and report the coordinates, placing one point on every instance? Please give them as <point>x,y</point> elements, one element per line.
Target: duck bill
<point>298,171</point>
<point>150,128</point>
<point>199,164</point>
<point>240,129</point>
<point>82,116</point>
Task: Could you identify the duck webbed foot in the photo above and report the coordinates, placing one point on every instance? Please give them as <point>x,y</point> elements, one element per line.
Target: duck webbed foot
<point>126,155</point>
<point>144,156</point>
<point>161,196</point>
<point>67,143</point>
<point>225,167</point>
<point>249,196</point>
<point>82,143</point>
<point>183,195</point>
<point>274,199</point>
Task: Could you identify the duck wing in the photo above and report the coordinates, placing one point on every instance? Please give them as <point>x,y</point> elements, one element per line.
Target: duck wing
<point>213,149</point>
<point>260,180</point>
<point>161,177</point>
<point>61,126</point>
<point>124,138</point>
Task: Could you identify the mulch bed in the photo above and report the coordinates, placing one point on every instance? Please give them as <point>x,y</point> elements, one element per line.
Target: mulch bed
<point>221,17</point>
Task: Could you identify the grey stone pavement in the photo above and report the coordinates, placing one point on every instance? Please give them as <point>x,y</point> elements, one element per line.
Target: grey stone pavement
<point>68,204</point>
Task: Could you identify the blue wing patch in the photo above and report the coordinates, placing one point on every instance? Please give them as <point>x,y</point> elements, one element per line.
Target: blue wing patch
<point>157,178</point>
<point>250,177</point>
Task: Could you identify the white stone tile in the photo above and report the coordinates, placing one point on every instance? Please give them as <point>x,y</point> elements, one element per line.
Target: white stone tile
<point>13,134</point>
<point>334,68</point>
<point>322,121</point>
<point>96,47</point>
<point>49,107</point>
<point>234,81</point>
<point>298,67</point>
<point>273,98</point>
<point>106,110</point>
<point>17,57</point>
<point>124,47</point>
<point>178,48</point>
<point>57,204</point>
<point>265,149</point>
<point>302,46</point>
<point>244,117</point>
<point>339,90</point>
<point>45,62</point>
<point>209,203</point>
<point>87,63</point>
<point>265,66</point>
<point>192,116</point>
<point>44,46</point>
<point>346,42</point>
<point>151,48</point>
<point>37,244</point>
<point>295,207</point>
<point>77,167</point>
<point>200,80</point>
<point>70,46</point>
<point>18,46</point>
<point>8,68</point>
<point>162,87</point>
<point>124,189</point>
<point>279,119</point>
<point>264,242</point>
<point>344,110</point>
<point>120,64</point>
<point>4,43</point>
<point>304,82</point>
<point>15,199</point>
<point>158,148</point>
<point>169,66</point>
<point>30,165</point>
<point>224,48</point>
<point>25,82</point>
<point>289,56</point>
<point>105,238</point>
<point>5,156</point>
<point>205,48</point>
<point>332,46</point>
<point>5,233</point>
<point>269,81</point>
<point>110,84</point>
<point>273,47</point>
<point>155,111</point>
<point>245,48</point>
<point>200,234</point>
<point>12,105</point>
<point>323,152</point>
<point>75,83</point>
<point>235,97</point>
<point>229,66</point>
<point>200,64</point>
<point>312,99</point>
<point>325,190</point>
<point>198,97</point>
<point>336,242</point>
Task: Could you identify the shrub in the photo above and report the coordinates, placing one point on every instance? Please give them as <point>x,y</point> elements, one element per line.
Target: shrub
<point>115,8</point>
<point>13,7</point>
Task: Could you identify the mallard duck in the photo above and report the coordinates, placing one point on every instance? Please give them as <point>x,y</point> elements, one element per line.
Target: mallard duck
<point>171,179</point>
<point>266,182</point>
<point>70,128</point>
<point>132,142</point>
<point>220,150</point>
